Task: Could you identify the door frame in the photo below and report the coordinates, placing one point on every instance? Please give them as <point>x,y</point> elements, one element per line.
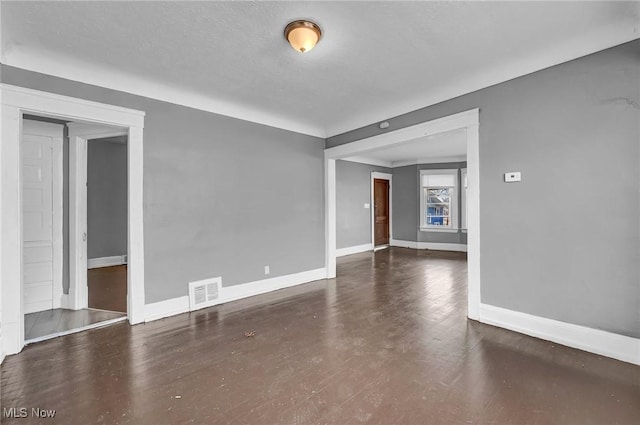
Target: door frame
<point>468,120</point>
<point>380,176</point>
<point>79,136</point>
<point>57,210</point>
<point>15,102</point>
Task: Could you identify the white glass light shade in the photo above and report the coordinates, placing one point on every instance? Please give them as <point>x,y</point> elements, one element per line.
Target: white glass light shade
<point>302,35</point>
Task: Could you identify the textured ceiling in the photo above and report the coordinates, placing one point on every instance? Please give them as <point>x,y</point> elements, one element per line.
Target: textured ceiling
<point>375,60</point>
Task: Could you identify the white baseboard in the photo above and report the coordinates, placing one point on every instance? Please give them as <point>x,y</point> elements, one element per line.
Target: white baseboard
<point>434,246</point>
<point>117,260</point>
<point>236,292</point>
<point>596,341</point>
<point>341,252</point>
<point>180,305</point>
<point>166,308</point>
<point>65,302</point>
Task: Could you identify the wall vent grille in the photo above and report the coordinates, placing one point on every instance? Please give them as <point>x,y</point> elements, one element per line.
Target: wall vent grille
<point>204,293</point>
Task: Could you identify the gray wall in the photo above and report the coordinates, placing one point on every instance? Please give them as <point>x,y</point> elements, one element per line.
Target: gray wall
<point>546,247</point>
<point>222,196</point>
<point>406,205</point>
<point>353,190</point>
<point>106,198</point>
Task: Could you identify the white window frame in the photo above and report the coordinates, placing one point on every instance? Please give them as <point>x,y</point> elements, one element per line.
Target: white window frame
<point>453,227</point>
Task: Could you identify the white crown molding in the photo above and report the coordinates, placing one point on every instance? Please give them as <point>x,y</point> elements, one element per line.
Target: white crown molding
<point>608,344</point>
<point>72,69</point>
<point>83,72</point>
<point>553,55</point>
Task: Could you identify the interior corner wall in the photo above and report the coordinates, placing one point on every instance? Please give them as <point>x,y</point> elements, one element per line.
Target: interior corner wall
<point>353,190</point>
<point>404,208</point>
<point>106,199</point>
<point>564,243</point>
<point>222,196</point>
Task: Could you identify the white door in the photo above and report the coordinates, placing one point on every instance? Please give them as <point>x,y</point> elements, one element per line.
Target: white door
<point>42,215</point>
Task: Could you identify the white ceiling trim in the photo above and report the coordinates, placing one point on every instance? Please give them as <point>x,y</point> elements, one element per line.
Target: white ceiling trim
<point>369,161</point>
<point>433,160</point>
<point>71,69</point>
<point>552,56</point>
<point>395,164</point>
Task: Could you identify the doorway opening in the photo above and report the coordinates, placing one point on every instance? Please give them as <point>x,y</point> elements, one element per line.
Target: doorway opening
<point>90,120</point>
<point>440,197</point>
<point>381,211</point>
<point>81,187</point>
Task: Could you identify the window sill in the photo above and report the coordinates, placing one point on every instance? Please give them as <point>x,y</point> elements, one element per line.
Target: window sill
<point>438,229</point>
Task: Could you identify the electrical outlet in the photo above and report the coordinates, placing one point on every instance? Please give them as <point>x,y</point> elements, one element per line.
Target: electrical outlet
<point>367,205</point>
<point>512,176</point>
<point>267,270</point>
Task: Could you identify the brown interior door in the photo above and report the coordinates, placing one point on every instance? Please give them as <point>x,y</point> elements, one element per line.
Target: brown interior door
<point>381,211</point>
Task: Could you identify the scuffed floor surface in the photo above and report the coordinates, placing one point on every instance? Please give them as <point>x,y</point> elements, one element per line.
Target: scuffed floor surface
<point>385,343</point>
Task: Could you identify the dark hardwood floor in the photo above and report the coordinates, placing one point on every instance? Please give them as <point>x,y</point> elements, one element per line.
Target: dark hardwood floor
<point>387,342</point>
<point>107,287</point>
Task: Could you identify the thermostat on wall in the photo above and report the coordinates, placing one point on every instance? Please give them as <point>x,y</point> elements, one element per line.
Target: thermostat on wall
<point>512,176</point>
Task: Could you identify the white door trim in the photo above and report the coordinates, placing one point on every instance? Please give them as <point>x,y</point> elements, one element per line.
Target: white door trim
<point>15,101</point>
<point>380,176</point>
<point>58,198</point>
<point>469,120</point>
<point>79,136</point>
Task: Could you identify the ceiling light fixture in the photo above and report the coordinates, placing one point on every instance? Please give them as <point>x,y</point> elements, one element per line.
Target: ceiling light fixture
<point>302,35</point>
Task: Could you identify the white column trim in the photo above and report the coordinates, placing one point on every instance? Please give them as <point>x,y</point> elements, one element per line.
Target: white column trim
<point>77,222</point>
<point>330,216</point>
<point>473,219</point>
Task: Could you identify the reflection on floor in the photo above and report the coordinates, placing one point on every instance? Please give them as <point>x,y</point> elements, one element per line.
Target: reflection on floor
<point>59,321</point>
<point>386,342</point>
<point>108,288</point>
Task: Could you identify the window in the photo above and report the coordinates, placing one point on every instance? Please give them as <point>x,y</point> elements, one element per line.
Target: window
<point>439,200</point>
